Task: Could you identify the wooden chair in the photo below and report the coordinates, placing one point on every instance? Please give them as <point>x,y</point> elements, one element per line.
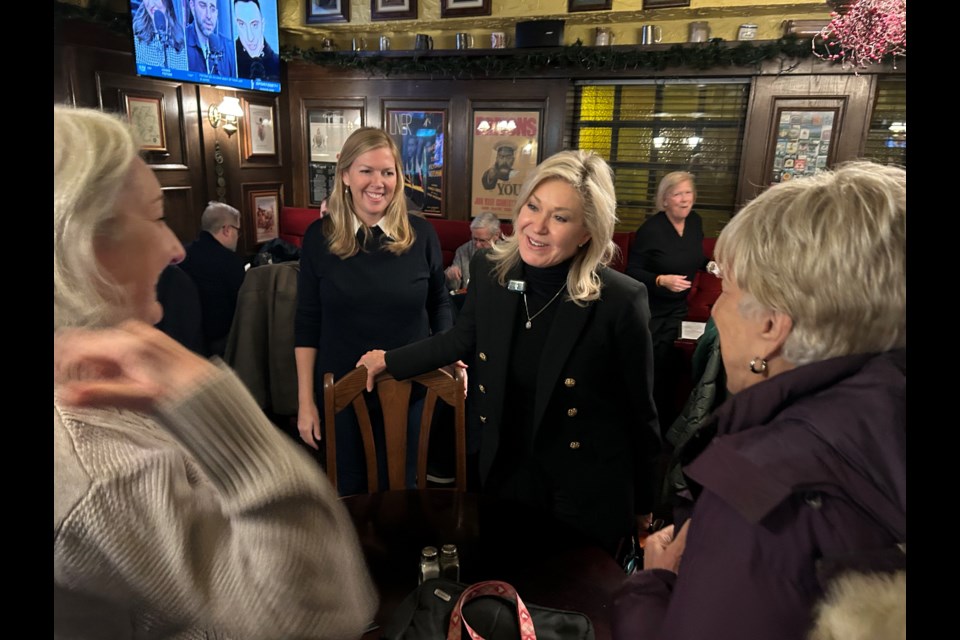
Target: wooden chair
<point>395,400</point>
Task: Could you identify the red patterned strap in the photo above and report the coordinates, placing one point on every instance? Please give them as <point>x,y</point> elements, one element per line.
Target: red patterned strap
<point>489,588</point>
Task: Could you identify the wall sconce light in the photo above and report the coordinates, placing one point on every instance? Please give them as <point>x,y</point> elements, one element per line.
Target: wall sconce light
<point>227,112</point>
<point>693,141</point>
<point>658,141</point>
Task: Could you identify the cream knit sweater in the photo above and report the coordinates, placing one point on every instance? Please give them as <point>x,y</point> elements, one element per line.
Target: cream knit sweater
<point>203,521</point>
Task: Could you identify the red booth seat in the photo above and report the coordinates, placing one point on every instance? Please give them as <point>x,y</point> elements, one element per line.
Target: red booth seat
<point>705,289</point>
<point>294,222</point>
<point>453,233</point>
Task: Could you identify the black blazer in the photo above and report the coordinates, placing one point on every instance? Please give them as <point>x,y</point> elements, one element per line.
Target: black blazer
<point>595,423</point>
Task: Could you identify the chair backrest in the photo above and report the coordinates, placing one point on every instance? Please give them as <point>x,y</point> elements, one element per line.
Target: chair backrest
<point>394,398</point>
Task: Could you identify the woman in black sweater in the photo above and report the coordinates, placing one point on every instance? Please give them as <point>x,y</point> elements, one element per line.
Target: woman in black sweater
<point>665,256</point>
<point>370,275</point>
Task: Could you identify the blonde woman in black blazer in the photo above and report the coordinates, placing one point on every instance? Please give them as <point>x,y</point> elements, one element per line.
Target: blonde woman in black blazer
<point>562,354</point>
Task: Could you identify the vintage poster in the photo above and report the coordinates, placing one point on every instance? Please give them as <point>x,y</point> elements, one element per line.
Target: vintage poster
<point>321,175</point>
<point>420,137</point>
<point>261,137</point>
<point>505,149</point>
<point>802,145</point>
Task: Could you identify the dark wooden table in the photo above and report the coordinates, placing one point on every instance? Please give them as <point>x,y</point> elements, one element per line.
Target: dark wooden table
<point>548,563</point>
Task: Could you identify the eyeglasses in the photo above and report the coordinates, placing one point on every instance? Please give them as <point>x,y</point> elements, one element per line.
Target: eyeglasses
<point>484,242</point>
<point>234,227</point>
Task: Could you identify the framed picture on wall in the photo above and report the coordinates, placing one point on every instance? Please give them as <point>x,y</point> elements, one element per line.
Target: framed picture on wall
<point>145,113</point>
<point>506,147</point>
<point>393,9</point>
<point>588,5</point>
<point>802,142</point>
<point>263,212</point>
<point>328,129</point>
<point>420,134</point>
<point>320,11</point>
<point>464,8</point>
<point>259,130</point>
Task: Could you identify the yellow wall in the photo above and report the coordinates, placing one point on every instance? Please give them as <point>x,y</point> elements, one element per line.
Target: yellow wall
<point>625,19</point>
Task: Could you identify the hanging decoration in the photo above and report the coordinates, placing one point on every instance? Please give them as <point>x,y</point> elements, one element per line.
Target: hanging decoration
<point>864,32</point>
<point>703,55</point>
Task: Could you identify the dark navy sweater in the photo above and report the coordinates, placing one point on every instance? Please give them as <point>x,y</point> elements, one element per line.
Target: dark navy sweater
<point>372,300</point>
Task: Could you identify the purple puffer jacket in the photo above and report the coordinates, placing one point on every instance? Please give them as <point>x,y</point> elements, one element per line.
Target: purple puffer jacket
<point>808,466</point>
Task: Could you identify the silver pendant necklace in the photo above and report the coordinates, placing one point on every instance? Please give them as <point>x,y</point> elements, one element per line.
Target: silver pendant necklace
<point>527,309</point>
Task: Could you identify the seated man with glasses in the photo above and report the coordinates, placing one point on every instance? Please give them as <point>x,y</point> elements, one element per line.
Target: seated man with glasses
<point>485,230</point>
<point>217,271</point>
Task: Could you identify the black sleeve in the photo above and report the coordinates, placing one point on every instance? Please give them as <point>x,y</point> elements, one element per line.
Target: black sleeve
<point>438,300</point>
<point>307,322</point>
<point>698,231</point>
<point>635,359</point>
<point>638,263</point>
<point>456,344</point>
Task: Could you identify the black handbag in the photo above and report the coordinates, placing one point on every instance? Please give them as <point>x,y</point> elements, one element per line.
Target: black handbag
<point>489,610</point>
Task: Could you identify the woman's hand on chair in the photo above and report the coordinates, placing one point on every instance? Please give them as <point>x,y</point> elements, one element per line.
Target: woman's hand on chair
<point>466,384</point>
<point>452,370</point>
<point>375,362</point>
<point>308,424</point>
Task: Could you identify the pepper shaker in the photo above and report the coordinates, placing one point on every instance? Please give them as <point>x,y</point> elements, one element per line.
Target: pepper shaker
<point>450,562</point>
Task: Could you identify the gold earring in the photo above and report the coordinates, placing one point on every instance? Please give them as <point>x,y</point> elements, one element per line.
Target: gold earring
<point>763,365</point>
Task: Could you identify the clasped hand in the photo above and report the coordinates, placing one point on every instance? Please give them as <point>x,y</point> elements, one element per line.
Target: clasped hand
<point>675,283</point>
<point>662,550</point>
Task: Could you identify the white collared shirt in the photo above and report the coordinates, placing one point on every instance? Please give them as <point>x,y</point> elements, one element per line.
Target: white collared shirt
<point>380,223</point>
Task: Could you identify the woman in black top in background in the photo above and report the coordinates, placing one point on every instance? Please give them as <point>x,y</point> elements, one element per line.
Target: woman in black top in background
<point>665,256</point>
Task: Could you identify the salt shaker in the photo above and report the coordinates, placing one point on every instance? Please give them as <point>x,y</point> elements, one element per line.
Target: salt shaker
<point>450,562</point>
<point>429,564</point>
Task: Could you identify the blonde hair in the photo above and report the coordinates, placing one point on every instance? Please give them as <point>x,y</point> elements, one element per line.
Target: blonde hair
<point>592,178</point>
<point>829,251</point>
<point>338,223</point>
<point>668,182</point>
<point>93,153</point>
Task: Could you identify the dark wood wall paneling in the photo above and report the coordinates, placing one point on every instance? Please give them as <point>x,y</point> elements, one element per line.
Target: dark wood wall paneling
<point>94,68</point>
<point>806,84</point>
<point>852,97</point>
<point>311,87</point>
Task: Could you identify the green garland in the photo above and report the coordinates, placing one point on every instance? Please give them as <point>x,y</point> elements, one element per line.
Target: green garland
<point>576,56</point>
<point>120,23</point>
<point>715,53</point>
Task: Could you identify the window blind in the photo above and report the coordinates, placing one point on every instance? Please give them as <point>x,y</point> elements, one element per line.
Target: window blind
<point>887,139</point>
<point>646,129</point>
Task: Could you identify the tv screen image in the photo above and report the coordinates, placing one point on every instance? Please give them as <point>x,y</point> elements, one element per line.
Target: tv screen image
<point>230,43</point>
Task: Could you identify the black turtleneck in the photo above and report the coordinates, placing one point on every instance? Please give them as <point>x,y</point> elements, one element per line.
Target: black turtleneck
<point>525,353</point>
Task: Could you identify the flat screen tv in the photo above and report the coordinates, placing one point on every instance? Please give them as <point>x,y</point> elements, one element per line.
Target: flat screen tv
<point>229,43</point>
